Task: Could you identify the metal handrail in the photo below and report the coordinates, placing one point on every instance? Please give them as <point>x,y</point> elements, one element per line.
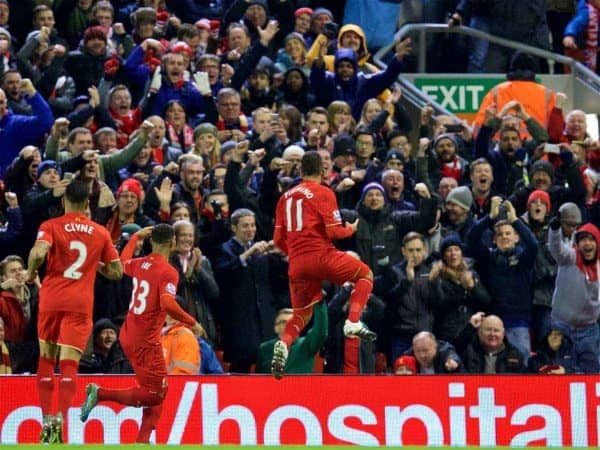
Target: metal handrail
<point>578,70</point>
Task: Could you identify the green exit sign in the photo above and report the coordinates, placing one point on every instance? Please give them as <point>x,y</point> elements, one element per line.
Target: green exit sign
<point>458,95</point>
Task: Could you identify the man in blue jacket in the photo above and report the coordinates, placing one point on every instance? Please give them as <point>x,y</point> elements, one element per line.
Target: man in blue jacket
<point>507,269</point>
<point>350,85</point>
<point>17,131</point>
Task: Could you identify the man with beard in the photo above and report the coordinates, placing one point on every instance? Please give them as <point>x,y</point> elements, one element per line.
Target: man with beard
<point>506,158</point>
<point>189,190</point>
<point>457,217</point>
<point>575,305</point>
<point>442,161</point>
<point>544,175</point>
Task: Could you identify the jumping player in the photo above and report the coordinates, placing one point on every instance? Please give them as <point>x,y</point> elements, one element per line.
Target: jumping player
<point>74,247</point>
<point>307,220</point>
<point>153,296</point>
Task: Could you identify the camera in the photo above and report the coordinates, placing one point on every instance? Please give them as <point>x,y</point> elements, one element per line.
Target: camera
<point>216,206</point>
<point>330,30</point>
<point>453,128</point>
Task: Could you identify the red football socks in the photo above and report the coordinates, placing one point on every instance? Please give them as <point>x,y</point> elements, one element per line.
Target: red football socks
<point>359,297</point>
<point>45,382</point>
<point>136,396</point>
<point>67,384</point>
<point>351,358</point>
<point>296,324</point>
<point>150,418</point>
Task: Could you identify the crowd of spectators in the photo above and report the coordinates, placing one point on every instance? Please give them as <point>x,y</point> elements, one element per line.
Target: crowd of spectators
<point>483,242</point>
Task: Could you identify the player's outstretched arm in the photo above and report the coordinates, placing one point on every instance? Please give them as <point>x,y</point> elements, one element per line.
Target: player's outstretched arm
<point>129,251</point>
<point>36,258</point>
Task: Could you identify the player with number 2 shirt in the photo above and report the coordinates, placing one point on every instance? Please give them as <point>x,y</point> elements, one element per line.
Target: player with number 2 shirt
<point>153,296</point>
<point>307,219</point>
<point>74,247</point>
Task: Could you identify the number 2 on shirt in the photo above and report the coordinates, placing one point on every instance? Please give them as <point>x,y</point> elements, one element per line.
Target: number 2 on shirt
<point>138,298</point>
<point>293,211</point>
<point>72,272</point>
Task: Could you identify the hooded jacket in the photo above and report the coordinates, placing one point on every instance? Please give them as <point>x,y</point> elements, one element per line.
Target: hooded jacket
<point>363,54</point>
<point>576,298</point>
<point>328,87</point>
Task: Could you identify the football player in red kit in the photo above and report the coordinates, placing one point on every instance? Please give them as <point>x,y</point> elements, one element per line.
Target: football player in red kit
<point>307,221</point>
<point>153,296</point>
<point>74,247</point>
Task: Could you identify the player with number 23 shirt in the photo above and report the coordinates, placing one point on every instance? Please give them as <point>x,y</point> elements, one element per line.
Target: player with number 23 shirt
<point>153,296</point>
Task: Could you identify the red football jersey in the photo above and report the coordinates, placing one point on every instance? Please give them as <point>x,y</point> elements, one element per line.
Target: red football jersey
<point>304,213</point>
<point>153,277</point>
<point>77,245</point>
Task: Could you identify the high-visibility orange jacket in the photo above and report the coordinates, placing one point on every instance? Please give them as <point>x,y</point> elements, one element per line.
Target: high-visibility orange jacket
<point>537,100</point>
<point>181,350</point>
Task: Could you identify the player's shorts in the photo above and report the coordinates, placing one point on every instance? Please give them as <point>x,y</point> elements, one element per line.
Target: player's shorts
<point>308,271</point>
<point>65,328</point>
<point>149,366</point>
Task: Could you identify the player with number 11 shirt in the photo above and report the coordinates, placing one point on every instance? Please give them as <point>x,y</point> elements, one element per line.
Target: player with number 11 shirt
<point>307,219</point>
<point>153,296</point>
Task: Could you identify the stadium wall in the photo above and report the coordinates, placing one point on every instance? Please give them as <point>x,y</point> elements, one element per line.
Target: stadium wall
<point>317,410</point>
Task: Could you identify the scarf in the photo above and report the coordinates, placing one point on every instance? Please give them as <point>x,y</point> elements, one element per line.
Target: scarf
<point>591,38</point>
<point>158,155</point>
<point>242,124</point>
<point>452,170</point>
<point>5,366</point>
<point>126,125</point>
<point>186,137</point>
<point>114,225</point>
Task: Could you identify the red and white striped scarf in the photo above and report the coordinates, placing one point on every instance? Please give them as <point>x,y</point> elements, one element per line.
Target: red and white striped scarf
<point>175,138</point>
<point>591,39</point>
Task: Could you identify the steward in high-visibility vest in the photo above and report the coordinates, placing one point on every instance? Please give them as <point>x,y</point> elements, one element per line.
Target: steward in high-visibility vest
<point>537,99</point>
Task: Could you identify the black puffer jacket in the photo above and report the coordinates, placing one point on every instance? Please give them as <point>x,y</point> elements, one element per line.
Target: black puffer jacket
<point>378,239</point>
<point>457,305</point>
<point>509,359</point>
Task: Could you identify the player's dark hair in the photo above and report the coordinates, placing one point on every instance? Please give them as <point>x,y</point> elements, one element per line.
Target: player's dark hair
<point>162,233</point>
<point>77,192</point>
<point>311,163</point>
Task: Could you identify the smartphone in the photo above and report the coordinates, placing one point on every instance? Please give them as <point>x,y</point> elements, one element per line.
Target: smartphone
<point>551,148</point>
<point>502,212</point>
<point>201,79</point>
<point>453,128</point>
<point>68,176</point>
<point>275,118</point>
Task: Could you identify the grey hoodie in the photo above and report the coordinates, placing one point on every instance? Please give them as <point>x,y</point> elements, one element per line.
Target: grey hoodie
<point>575,299</point>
